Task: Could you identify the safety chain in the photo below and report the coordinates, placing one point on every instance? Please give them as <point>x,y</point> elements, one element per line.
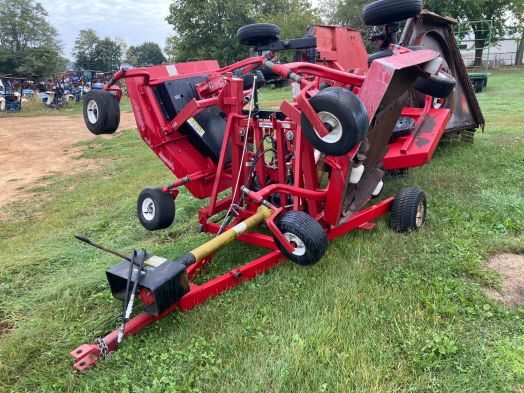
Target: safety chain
<point>103,350</point>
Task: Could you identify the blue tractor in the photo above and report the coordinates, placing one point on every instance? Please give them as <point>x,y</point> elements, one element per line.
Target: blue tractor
<point>10,100</point>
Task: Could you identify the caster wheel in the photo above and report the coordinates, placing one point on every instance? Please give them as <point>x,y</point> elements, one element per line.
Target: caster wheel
<point>408,212</point>
<point>258,34</point>
<point>101,112</point>
<point>155,209</point>
<point>345,117</point>
<point>307,235</point>
<point>383,12</point>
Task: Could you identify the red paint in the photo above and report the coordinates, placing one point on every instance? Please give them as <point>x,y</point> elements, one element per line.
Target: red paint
<point>339,49</point>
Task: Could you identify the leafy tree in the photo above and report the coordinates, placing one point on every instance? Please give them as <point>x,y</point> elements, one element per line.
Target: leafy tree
<point>84,49</point>
<point>517,28</point>
<point>28,43</point>
<point>171,48</point>
<point>327,10</point>
<point>94,53</point>
<point>476,10</point>
<point>124,47</point>
<point>107,56</point>
<point>293,18</point>
<point>206,29</point>
<point>146,54</point>
<point>347,13</point>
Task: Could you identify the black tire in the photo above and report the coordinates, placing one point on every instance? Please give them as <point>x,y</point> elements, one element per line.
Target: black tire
<point>387,53</point>
<point>298,226</point>
<point>155,209</point>
<point>337,107</point>
<point>248,80</point>
<point>415,47</point>
<point>113,119</point>
<point>101,112</point>
<point>440,85</point>
<point>323,85</point>
<point>379,55</point>
<point>382,12</point>
<point>408,211</point>
<point>258,34</point>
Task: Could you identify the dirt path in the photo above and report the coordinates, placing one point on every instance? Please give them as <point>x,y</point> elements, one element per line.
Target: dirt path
<point>35,147</point>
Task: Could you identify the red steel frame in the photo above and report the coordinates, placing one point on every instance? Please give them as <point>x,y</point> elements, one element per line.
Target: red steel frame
<point>87,355</point>
<point>203,178</point>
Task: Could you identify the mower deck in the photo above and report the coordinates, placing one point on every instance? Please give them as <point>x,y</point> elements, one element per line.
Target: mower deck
<point>417,148</point>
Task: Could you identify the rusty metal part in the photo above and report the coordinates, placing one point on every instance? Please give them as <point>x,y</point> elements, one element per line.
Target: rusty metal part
<point>435,32</point>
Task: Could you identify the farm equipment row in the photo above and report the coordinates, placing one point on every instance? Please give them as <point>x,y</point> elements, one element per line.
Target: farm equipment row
<point>307,172</point>
<point>68,87</point>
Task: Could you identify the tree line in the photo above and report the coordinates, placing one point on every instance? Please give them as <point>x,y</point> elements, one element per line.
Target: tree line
<point>206,29</point>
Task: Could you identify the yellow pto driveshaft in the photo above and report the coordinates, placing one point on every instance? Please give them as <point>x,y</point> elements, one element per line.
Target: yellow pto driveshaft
<point>213,245</point>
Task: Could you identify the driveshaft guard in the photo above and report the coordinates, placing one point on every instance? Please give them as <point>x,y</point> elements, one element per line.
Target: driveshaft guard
<point>166,280</point>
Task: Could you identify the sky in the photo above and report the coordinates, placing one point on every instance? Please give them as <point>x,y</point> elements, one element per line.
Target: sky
<point>135,21</point>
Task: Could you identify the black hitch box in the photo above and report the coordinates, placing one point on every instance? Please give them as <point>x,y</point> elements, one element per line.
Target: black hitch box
<point>166,280</point>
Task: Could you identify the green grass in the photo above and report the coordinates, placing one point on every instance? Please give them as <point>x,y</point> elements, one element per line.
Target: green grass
<point>381,312</point>
<point>272,97</point>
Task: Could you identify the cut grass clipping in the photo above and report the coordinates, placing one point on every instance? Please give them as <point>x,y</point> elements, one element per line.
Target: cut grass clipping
<point>381,312</point>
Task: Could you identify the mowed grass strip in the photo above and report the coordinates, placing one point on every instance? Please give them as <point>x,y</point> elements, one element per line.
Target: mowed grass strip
<point>381,312</point>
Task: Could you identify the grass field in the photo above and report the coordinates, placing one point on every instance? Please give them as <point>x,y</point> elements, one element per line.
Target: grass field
<point>381,312</point>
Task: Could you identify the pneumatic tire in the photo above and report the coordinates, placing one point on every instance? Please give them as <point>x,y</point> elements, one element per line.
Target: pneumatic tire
<point>155,209</point>
<point>379,55</point>
<point>440,85</point>
<point>408,211</point>
<point>248,80</point>
<point>306,234</point>
<point>113,118</point>
<point>344,114</point>
<point>383,12</point>
<point>258,34</point>
<point>101,112</point>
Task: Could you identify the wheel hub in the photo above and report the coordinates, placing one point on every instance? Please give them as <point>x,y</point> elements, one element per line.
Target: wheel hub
<point>300,248</point>
<point>92,111</point>
<point>421,214</point>
<point>148,209</point>
<point>333,125</point>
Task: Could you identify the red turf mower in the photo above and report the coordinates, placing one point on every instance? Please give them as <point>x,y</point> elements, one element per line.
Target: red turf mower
<point>306,172</point>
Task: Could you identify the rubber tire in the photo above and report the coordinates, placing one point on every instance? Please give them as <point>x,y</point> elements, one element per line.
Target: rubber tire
<point>306,229</point>
<point>348,109</point>
<point>248,80</point>
<point>108,112</point>
<point>440,86</point>
<point>164,209</point>
<point>379,55</point>
<point>113,119</point>
<point>383,12</point>
<point>258,34</point>
<point>323,85</point>
<point>404,209</point>
<point>387,53</point>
